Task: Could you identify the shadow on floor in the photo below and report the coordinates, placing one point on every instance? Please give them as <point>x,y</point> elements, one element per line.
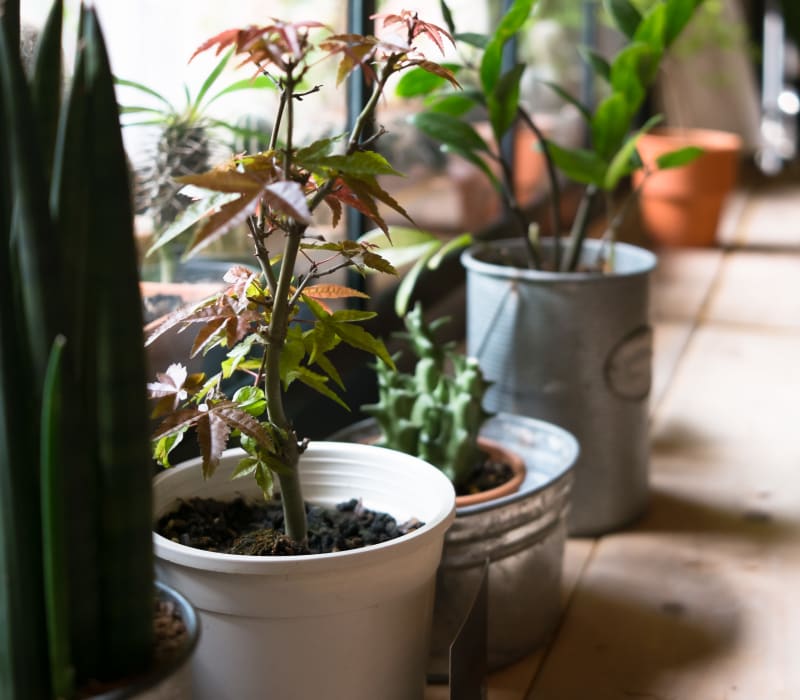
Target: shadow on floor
<point>678,619</point>
<point>673,513</point>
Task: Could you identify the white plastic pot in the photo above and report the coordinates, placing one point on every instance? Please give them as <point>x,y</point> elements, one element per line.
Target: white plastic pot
<point>352,625</point>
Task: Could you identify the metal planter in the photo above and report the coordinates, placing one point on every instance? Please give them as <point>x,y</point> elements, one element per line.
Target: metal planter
<point>574,349</point>
<point>522,535</point>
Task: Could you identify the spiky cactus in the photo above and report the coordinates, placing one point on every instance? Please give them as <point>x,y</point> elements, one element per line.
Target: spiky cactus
<point>436,412</point>
<point>76,570</point>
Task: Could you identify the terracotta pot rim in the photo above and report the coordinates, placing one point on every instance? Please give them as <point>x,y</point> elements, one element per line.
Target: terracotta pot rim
<point>496,450</point>
<point>709,139</point>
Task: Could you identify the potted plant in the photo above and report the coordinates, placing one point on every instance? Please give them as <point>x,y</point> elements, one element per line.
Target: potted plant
<point>683,206</point>
<point>512,492</point>
<point>351,623</point>
<point>185,143</point>
<point>78,604</point>
<point>560,324</point>
<point>702,101</point>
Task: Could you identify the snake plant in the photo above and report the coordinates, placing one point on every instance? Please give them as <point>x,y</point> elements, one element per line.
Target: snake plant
<point>76,573</point>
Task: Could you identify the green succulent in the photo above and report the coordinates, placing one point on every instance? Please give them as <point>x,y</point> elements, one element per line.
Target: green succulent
<point>436,412</point>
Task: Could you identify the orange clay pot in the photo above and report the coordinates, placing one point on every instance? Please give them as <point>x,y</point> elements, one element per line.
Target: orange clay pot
<point>682,206</point>
<point>500,454</point>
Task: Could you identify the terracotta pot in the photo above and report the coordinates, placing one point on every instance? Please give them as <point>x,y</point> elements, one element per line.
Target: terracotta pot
<point>497,453</point>
<point>682,206</point>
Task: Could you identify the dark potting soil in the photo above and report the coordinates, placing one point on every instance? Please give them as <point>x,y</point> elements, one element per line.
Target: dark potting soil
<point>171,636</point>
<point>256,528</point>
<point>489,474</point>
<point>158,305</point>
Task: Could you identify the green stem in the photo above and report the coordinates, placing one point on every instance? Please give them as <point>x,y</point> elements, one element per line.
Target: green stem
<point>579,228</point>
<point>555,189</point>
<point>533,257</point>
<point>293,505</point>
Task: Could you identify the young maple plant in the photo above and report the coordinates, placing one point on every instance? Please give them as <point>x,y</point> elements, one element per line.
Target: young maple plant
<point>275,193</point>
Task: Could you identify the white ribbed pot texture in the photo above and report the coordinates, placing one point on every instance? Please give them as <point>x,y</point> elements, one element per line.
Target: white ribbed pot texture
<point>347,625</point>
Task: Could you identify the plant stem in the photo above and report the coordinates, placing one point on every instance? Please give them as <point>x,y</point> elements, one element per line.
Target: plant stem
<point>293,506</point>
<point>292,498</point>
<point>579,228</point>
<point>533,257</point>
<point>555,189</point>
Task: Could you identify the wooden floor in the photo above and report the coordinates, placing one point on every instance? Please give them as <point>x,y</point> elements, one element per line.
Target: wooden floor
<point>701,599</point>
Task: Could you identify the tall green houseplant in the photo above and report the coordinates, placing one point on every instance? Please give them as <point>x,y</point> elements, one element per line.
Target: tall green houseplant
<point>76,572</point>
<point>598,168</point>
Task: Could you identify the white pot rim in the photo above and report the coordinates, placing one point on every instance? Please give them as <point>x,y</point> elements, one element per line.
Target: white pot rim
<point>440,514</point>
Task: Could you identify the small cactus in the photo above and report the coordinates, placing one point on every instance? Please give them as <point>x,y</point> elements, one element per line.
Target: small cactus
<point>436,412</point>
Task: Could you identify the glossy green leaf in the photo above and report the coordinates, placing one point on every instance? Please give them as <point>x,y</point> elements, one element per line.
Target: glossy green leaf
<point>633,70</point>
<point>416,81</point>
<point>492,60</point>
<point>251,399</point>
<point>450,131</point>
<point>570,99</point>
<point>626,159</point>
<point>578,164</point>
<point>600,65</point>
<point>653,27</point>
<point>358,164</point>
<point>503,102</point>
<point>610,125</point>
<point>678,15</point>
<point>455,104</point>
<point>624,14</point>
<point>678,157</point>
<point>479,41</point>
<point>447,15</point>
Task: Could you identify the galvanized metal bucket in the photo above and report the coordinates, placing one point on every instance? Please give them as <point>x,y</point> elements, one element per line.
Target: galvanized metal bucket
<point>522,535</point>
<point>574,349</point>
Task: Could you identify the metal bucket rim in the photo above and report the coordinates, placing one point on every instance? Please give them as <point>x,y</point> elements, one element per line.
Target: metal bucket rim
<point>644,261</point>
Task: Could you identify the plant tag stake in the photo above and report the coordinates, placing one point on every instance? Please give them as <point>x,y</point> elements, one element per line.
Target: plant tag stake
<point>469,648</point>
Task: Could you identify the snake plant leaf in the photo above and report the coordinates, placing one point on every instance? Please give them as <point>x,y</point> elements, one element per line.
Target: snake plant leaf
<point>46,85</point>
<point>119,373</point>
<point>32,227</point>
<point>54,477</point>
<point>22,621</point>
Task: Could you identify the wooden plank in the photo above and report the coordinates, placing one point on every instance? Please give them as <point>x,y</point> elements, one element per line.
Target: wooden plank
<point>682,282</point>
<point>758,288</point>
<point>770,218</point>
<point>698,601</point>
